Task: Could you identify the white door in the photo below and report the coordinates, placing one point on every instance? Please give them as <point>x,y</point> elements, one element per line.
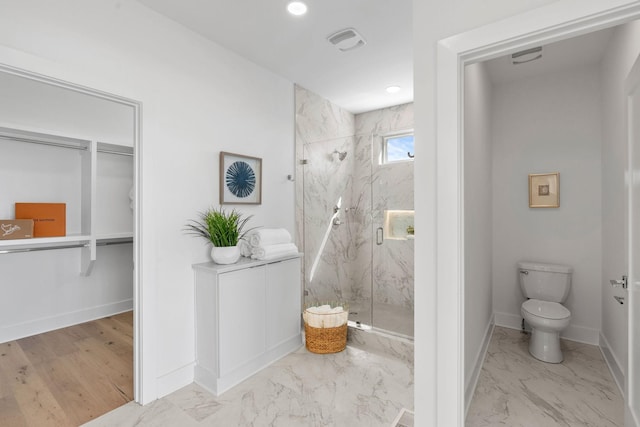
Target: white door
<point>633,370</point>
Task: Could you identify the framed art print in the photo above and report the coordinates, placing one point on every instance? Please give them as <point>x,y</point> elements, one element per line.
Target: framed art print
<point>544,190</point>
<point>240,179</point>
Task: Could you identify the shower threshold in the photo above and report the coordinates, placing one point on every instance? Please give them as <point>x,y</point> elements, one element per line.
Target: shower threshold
<point>358,325</point>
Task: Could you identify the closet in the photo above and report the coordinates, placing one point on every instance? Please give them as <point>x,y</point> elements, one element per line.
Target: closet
<point>62,146</point>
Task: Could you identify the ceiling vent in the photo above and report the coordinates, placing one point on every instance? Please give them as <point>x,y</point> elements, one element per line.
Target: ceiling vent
<point>347,39</point>
<point>525,56</point>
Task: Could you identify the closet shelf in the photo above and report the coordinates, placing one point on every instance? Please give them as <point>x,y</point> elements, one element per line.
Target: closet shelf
<point>86,196</point>
<point>43,242</point>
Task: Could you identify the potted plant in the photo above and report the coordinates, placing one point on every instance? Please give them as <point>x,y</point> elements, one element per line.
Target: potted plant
<point>224,230</point>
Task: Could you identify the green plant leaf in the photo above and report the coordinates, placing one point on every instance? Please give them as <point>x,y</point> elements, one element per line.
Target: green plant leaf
<point>219,227</point>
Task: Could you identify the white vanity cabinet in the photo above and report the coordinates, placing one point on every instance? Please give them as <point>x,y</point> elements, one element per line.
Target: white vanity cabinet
<point>247,316</point>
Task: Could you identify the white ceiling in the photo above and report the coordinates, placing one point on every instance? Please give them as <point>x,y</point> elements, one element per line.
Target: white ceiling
<point>578,51</point>
<point>296,47</point>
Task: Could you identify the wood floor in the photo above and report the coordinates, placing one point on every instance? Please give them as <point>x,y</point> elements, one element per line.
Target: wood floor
<point>69,376</point>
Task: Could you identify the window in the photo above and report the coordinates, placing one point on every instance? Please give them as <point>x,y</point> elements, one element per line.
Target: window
<point>397,148</point>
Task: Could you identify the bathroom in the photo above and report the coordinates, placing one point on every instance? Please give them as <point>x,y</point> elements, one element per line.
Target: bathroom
<point>560,113</point>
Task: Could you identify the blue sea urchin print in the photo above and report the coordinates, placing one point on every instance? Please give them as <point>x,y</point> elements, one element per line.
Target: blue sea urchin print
<point>240,179</point>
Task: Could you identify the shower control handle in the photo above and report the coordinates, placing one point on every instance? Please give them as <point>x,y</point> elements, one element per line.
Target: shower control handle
<point>379,236</point>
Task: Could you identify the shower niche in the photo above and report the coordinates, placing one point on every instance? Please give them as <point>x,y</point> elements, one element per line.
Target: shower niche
<point>358,245</point>
<point>398,224</point>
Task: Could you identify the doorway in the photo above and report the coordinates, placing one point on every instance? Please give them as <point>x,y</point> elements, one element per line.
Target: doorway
<point>77,146</point>
<point>453,54</point>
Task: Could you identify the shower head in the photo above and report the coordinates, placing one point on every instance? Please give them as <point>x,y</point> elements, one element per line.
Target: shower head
<point>341,154</point>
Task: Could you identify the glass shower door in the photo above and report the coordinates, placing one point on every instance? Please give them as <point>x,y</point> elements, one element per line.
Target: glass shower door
<point>337,261</point>
<point>392,192</point>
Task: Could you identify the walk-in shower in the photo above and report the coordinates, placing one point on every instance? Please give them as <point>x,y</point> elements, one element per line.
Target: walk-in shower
<point>355,212</point>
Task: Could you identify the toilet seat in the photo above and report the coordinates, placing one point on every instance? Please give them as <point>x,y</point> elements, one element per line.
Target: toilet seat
<point>546,309</point>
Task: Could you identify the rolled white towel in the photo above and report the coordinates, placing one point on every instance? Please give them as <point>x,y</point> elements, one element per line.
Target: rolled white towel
<point>273,251</point>
<point>321,309</point>
<point>245,248</point>
<point>269,236</point>
<point>325,317</point>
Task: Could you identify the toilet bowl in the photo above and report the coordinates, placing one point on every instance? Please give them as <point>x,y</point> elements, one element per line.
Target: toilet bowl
<point>546,286</point>
<point>547,320</point>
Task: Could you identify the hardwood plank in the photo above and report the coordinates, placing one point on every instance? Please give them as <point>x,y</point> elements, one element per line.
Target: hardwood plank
<point>111,335</point>
<point>76,400</point>
<point>10,413</point>
<point>69,376</point>
<point>118,370</point>
<point>99,381</point>
<point>36,349</point>
<point>37,404</point>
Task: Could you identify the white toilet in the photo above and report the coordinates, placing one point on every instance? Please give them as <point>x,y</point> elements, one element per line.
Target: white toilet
<point>545,286</point>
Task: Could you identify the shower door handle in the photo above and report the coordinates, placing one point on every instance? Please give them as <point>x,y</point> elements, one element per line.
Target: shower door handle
<point>379,236</point>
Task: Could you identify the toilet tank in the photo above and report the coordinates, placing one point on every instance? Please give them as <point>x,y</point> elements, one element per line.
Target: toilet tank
<point>546,282</point>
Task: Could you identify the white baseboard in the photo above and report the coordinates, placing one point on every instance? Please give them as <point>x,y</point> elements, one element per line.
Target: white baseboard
<point>47,324</point>
<point>573,332</point>
<point>612,363</point>
<point>175,380</point>
<point>507,320</point>
<point>472,382</point>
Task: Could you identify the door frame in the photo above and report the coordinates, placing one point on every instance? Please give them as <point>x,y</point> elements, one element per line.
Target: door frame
<point>632,88</point>
<point>560,20</point>
<point>140,396</point>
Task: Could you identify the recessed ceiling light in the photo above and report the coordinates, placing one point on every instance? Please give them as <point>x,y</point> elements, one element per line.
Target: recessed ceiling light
<point>393,89</point>
<point>297,8</point>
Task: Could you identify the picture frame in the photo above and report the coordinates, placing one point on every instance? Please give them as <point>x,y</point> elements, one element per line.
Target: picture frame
<point>240,179</point>
<point>544,190</point>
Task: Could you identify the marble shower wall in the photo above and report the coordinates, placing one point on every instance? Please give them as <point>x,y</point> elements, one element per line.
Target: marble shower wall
<point>322,128</point>
<point>342,268</point>
<point>392,188</point>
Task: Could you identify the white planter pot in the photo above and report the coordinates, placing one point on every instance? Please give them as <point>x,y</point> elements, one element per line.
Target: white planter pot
<point>225,255</point>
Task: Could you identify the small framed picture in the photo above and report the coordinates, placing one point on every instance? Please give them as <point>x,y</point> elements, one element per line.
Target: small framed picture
<point>544,190</point>
<point>240,179</point>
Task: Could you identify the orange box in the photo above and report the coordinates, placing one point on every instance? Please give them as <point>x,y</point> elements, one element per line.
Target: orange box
<point>16,229</point>
<point>49,219</point>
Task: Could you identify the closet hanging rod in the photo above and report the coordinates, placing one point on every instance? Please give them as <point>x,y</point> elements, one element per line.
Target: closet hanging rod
<point>43,248</point>
<point>36,141</point>
<point>118,153</point>
<point>115,242</point>
<point>79,245</point>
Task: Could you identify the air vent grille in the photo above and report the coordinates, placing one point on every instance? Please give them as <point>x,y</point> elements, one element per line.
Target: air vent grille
<point>347,39</point>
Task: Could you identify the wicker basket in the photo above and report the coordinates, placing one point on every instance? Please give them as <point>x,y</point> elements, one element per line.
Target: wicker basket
<point>325,340</point>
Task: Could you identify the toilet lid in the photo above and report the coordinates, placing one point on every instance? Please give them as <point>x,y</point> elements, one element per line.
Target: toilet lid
<point>546,309</point>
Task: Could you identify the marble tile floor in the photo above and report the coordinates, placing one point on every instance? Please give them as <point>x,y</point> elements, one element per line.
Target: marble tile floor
<point>351,388</point>
<point>517,390</point>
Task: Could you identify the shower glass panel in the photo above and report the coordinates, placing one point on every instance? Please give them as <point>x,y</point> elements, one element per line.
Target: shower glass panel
<point>337,226</point>
<point>355,211</point>
<point>393,233</point>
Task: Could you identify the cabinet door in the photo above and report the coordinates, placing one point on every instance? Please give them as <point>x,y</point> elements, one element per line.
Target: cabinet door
<point>241,317</point>
<point>283,301</point>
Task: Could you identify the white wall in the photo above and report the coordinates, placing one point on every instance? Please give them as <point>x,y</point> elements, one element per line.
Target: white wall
<point>623,49</point>
<point>38,105</point>
<point>478,308</point>
<point>198,99</point>
<point>433,21</point>
<point>549,123</point>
